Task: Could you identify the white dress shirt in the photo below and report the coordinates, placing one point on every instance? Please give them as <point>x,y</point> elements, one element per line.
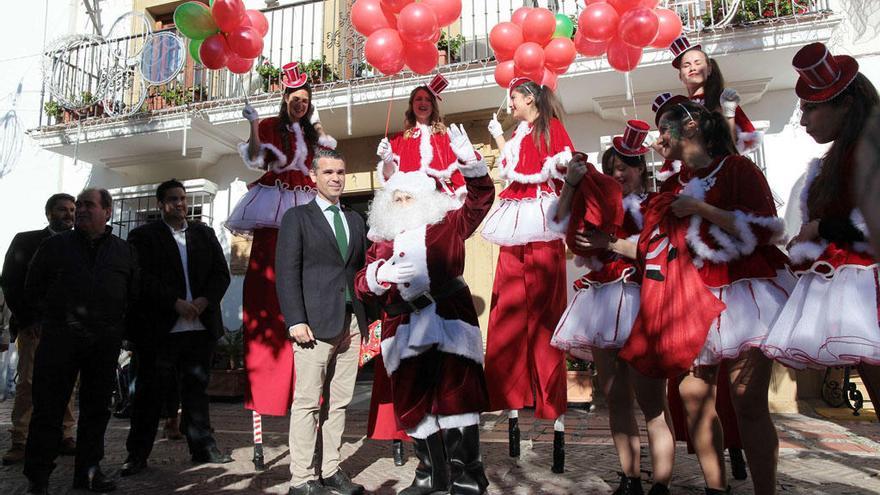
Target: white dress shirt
<point>323,204</point>
<point>182,324</point>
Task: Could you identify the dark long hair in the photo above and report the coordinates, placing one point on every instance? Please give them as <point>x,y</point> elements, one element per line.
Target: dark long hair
<point>630,161</point>
<point>309,132</point>
<point>713,86</point>
<point>712,126</point>
<point>548,108</point>
<point>828,189</point>
<point>435,121</point>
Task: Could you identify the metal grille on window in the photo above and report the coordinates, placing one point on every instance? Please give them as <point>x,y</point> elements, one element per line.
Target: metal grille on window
<point>136,205</point>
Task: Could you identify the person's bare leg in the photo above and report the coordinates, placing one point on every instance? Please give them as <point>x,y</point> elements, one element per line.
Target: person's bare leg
<point>615,383</point>
<point>871,378</point>
<point>651,394</point>
<point>698,397</point>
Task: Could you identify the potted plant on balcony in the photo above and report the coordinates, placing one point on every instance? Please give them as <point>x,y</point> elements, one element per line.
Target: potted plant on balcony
<point>197,93</point>
<point>579,380</point>
<point>270,75</point>
<point>450,48</point>
<point>92,107</point>
<point>319,71</point>
<point>52,109</point>
<point>228,376</point>
<point>176,96</point>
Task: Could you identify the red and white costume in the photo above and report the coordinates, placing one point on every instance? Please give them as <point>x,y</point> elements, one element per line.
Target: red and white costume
<point>434,356</point>
<point>528,295</point>
<point>420,149</point>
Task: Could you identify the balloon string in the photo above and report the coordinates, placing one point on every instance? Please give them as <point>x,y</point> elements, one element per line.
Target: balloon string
<point>630,94</point>
<point>388,117</point>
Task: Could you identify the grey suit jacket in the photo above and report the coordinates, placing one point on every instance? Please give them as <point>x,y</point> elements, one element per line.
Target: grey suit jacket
<point>311,273</point>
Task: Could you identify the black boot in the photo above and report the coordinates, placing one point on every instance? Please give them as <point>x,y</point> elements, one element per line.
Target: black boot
<point>629,486</point>
<point>431,473</point>
<point>397,452</point>
<point>466,473</point>
<point>658,489</point>
<point>715,491</point>
<point>737,464</point>
<point>513,436</point>
<point>558,452</point>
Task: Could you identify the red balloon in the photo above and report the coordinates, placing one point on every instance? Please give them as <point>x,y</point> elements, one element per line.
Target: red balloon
<point>417,23</point>
<point>638,27</point>
<point>503,56</point>
<point>598,22</point>
<point>623,57</point>
<point>239,65</point>
<point>589,48</point>
<point>227,14</point>
<point>559,54</point>
<point>257,20</point>
<point>535,77</point>
<point>245,42</point>
<point>549,79</point>
<point>519,15</point>
<point>447,11</point>
<point>369,16</point>
<point>529,58</point>
<point>421,58</point>
<point>669,28</point>
<point>384,51</point>
<point>214,52</point>
<point>649,4</point>
<point>505,37</point>
<point>396,5</point>
<point>539,26</point>
<point>622,6</point>
<point>504,73</point>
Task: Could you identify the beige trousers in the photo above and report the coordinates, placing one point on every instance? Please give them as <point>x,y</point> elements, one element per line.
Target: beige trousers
<point>327,369</point>
<point>26,342</point>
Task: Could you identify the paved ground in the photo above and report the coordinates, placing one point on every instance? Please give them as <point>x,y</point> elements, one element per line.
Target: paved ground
<point>817,457</point>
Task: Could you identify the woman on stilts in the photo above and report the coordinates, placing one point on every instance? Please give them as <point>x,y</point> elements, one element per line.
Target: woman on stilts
<point>528,295</point>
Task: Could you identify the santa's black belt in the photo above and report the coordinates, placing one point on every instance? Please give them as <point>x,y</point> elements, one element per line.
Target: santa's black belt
<point>426,299</point>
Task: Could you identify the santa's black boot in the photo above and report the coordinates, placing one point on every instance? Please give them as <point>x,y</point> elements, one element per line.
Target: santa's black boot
<point>431,473</point>
<point>513,436</point>
<point>466,473</point>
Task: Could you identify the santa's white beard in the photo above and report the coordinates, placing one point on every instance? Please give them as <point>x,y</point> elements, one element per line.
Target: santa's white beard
<point>387,219</point>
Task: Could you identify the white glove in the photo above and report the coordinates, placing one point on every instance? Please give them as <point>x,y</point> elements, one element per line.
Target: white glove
<point>250,113</point>
<point>729,102</point>
<point>316,117</point>
<point>495,127</point>
<point>400,273</point>
<point>384,150</point>
<point>461,144</point>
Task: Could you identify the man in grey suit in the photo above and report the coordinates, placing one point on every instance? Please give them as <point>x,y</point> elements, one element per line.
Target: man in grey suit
<point>321,246</point>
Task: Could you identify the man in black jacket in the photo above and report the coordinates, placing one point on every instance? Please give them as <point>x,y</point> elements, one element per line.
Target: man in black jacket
<point>81,284</point>
<point>23,328</point>
<point>175,326</point>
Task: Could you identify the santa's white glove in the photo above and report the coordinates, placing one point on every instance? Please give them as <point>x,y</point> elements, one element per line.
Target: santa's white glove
<point>461,144</point>
<point>250,113</point>
<point>729,102</point>
<point>400,273</point>
<point>384,151</point>
<point>495,127</point>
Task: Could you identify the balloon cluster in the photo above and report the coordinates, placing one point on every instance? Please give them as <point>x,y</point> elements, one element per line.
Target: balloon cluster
<point>620,29</point>
<point>535,44</point>
<point>402,32</point>
<point>222,35</point>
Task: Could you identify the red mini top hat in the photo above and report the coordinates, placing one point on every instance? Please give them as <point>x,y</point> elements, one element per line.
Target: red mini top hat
<point>822,75</point>
<point>662,102</point>
<point>437,85</point>
<point>678,47</point>
<point>632,143</point>
<point>291,77</point>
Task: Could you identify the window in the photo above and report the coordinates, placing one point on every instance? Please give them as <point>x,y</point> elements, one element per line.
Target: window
<point>134,206</point>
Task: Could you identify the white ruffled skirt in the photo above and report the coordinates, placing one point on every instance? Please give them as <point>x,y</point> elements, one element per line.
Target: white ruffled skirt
<point>264,207</point>
<point>598,316</point>
<point>518,222</point>
<point>829,321</point>
<point>753,306</point>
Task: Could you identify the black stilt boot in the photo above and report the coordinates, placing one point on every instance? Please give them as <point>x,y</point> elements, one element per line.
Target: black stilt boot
<point>558,452</point>
<point>629,486</point>
<point>715,491</point>
<point>397,452</point>
<point>737,464</point>
<point>431,473</point>
<point>513,436</point>
<point>466,474</point>
<point>658,489</point>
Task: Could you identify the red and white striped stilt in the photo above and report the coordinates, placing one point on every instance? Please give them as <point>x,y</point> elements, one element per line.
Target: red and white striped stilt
<point>259,465</point>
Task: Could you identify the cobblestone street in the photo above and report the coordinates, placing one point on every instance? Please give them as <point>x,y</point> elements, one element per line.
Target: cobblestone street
<point>817,457</point>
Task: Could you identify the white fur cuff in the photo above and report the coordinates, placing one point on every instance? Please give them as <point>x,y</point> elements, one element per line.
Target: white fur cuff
<point>373,283</point>
<point>473,169</point>
<point>557,225</point>
<point>806,251</point>
<point>327,141</point>
<point>747,238</point>
<point>259,163</point>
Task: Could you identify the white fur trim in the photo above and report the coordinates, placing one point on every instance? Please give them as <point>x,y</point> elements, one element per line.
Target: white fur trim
<point>560,225</point>
<point>697,188</point>
<point>426,427</point>
<point>373,283</point>
<point>426,151</point>
<point>427,329</point>
<point>411,182</point>
<point>510,153</point>
<point>260,163</point>
<point>557,164</point>
<point>858,221</point>
<point>632,204</point>
<point>458,420</point>
<point>748,241</point>
<point>409,247</point>
<point>327,141</point>
<point>298,162</point>
<point>747,142</point>
<point>806,251</point>
<point>662,176</point>
<point>473,169</point>
<point>380,168</point>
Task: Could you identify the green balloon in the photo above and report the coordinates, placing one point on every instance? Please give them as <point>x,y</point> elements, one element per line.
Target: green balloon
<point>564,27</point>
<point>193,20</point>
<point>194,46</point>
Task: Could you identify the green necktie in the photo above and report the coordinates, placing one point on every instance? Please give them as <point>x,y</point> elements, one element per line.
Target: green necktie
<point>341,239</point>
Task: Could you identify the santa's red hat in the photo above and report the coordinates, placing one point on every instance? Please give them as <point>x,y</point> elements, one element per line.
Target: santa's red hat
<point>632,143</point>
<point>822,76</point>
<point>291,76</point>
<point>678,47</point>
<point>662,103</point>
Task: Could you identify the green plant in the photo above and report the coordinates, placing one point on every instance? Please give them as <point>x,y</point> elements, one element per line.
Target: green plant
<point>87,98</point>
<point>575,364</point>
<point>229,353</point>
<point>268,71</point>
<point>452,44</point>
<point>319,71</point>
<point>176,96</point>
<point>756,10</point>
<point>53,109</point>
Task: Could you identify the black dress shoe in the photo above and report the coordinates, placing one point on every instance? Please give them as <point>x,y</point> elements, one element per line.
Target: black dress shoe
<point>340,483</point>
<point>133,465</point>
<point>309,488</point>
<point>737,464</point>
<point>37,488</point>
<point>658,489</point>
<point>397,452</point>
<point>211,456</point>
<point>93,480</point>
<point>629,486</point>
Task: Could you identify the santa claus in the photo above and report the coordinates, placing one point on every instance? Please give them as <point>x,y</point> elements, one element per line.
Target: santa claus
<point>431,341</point>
